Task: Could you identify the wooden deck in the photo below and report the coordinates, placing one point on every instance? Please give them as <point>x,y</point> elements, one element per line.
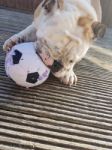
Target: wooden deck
<point>53,116</point>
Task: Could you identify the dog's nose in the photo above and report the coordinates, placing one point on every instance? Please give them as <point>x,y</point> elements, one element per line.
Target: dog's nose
<point>57,66</point>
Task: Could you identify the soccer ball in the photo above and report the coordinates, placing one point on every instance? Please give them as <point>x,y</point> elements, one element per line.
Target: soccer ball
<point>24,66</point>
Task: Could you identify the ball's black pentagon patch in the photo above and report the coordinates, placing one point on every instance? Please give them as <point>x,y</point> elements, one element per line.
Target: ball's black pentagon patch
<point>16,57</point>
<point>32,77</point>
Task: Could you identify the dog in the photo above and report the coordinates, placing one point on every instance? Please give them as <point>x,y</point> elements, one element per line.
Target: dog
<point>64,30</point>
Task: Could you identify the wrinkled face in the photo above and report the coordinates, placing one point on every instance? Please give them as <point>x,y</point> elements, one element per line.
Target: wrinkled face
<point>57,31</point>
<point>59,24</point>
<point>73,53</point>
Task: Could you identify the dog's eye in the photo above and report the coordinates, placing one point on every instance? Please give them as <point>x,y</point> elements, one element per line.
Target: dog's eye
<point>71,61</point>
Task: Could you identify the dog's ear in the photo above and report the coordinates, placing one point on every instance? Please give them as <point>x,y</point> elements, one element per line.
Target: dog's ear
<point>48,5</point>
<point>98,29</point>
<point>92,29</point>
<point>85,22</point>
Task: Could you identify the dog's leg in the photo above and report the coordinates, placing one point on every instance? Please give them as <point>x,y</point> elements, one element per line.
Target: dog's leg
<point>99,29</point>
<point>27,35</point>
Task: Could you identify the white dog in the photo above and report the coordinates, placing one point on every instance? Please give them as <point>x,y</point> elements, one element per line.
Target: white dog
<point>64,30</point>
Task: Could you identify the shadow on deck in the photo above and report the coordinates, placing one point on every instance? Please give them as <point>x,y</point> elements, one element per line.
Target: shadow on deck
<point>53,116</point>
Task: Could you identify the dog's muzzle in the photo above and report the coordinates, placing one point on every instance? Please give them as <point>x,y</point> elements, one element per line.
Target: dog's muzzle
<point>53,65</point>
<point>56,66</point>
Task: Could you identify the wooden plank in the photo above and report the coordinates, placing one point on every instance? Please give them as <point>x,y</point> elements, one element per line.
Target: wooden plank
<point>1,2</point>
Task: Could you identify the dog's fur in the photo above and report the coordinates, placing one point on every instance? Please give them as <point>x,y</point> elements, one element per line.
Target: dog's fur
<point>64,28</point>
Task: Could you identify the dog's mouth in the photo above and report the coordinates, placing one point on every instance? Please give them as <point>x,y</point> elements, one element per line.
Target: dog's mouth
<point>56,66</point>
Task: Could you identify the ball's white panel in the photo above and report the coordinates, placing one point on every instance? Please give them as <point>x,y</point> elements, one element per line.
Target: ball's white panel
<point>29,63</point>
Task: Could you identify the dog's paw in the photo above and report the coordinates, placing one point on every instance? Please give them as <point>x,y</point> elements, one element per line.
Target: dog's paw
<point>69,79</point>
<point>11,42</point>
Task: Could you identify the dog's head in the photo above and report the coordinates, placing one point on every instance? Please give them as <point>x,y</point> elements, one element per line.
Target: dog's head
<point>68,30</point>
<point>77,46</point>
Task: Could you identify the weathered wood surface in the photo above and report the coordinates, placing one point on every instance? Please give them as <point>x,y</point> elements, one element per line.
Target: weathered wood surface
<point>53,116</point>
